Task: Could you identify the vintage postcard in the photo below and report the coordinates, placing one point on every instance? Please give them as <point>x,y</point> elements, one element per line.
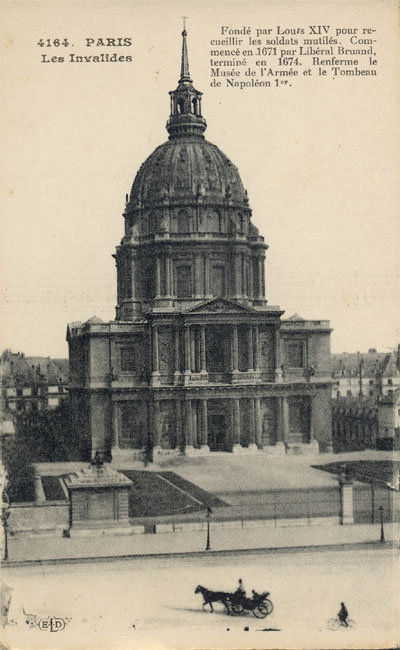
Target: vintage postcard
<point>200,361</point>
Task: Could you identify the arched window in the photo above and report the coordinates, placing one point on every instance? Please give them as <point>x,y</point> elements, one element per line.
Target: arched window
<point>183,222</point>
<point>180,106</point>
<point>195,106</point>
<point>153,225</point>
<point>214,222</point>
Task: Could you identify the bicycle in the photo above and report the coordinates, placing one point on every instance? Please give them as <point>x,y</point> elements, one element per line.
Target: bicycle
<point>336,623</point>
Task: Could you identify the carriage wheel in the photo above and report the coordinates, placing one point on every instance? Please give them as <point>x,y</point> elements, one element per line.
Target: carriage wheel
<point>260,611</point>
<point>236,608</point>
<point>268,604</point>
<point>333,623</point>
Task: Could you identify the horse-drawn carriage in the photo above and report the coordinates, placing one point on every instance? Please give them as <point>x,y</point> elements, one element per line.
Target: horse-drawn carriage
<point>237,602</point>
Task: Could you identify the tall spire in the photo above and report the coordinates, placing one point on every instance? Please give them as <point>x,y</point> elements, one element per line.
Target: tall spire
<point>185,74</point>
<point>185,118</point>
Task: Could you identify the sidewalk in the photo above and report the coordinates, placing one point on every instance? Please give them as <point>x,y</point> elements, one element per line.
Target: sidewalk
<point>42,548</point>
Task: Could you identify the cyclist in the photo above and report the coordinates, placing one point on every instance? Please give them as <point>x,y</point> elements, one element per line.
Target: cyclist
<point>343,615</point>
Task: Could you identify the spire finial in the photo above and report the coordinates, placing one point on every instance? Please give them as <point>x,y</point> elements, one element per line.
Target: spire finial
<point>185,74</point>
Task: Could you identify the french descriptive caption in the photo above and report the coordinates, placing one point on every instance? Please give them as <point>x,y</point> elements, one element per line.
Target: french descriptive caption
<point>90,50</point>
<point>277,57</point>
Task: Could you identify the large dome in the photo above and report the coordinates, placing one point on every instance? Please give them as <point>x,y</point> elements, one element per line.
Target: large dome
<point>185,168</point>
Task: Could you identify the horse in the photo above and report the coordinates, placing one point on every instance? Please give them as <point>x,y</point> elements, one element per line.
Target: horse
<point>211,597</point>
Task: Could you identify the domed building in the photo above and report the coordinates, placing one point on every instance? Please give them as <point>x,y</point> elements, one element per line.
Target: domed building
<point>196,361</point>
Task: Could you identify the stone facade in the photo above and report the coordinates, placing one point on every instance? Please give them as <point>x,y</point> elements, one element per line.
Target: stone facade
<point>196,360</point>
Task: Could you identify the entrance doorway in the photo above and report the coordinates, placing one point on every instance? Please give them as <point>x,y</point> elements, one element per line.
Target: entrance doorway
<point>216,432</point>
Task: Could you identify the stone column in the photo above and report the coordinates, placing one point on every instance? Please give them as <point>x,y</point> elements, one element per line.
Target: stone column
<point>188,427</point>
<point>207,290</point>
<point>279,446</point>
<point>260,266</point>
<point>250,352</point>
<point>176,347</point>
<point>252,432</point>
<point>237,275</point>
<point>156,428</point>
<point>167,276</point>
<point>256,339</point>
<point>204,426</point>
<point>156,368</point>
<point>115,428</point>
<point>133,275</point>
<point>197,334</point>
<point>285,419</point>
<point>203,365</point>
<point>198,284</point>
<point>236,426</point>
<point>235,349</point>
<point>158,277</point>
<point>192,349</point>
<point>187,350</point>
<point>178,424</point>
<point>195,423</point>
<point>312,441</point>
<point>258,422</point>
<point>278,373</point>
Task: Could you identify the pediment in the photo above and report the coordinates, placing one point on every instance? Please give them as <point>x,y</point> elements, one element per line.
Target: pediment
<point>220,305</point>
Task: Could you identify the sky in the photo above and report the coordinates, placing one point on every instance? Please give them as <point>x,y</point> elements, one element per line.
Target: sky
<point>319,161</point>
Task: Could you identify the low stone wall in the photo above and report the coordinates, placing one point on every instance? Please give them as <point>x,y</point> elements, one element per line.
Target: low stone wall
<point>38,517</point>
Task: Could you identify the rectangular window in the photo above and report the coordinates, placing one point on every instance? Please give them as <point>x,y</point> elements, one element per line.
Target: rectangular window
<point>295,355</point>
<point>128,359</point>
<point>184,281</point>
<point>218,281</point>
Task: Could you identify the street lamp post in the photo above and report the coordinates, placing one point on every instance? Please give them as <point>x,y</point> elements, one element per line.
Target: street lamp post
<point>382,531</point>
<point>4,518</point>
<point>208,515</point>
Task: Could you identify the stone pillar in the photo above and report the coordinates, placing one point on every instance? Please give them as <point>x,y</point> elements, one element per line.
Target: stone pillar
<point>207,290</point>
<point>258,422</point>
<point>312,441</point>
<point>198,284</point>
<point>176,347</point>
<point>285,419</point>
<point>156,428</point>
<point>188,427</point>
<point>115,428</point>
<point>235,349</point>
<point>156,368</point>
<point>203,364</point>
<point>346,503</point>
<point>250,352</point>
<point>167,276</point>
<point>187,350</point>
<point>178,423</point>
<point>192,349</point>
<point>256,338</point>
<point>236,426</point>
<point>237,275</point>
<point>252,428</point>
<point>133,275</point>
<point>197,336</point>
<point>204,426</point>
<point>195,423</point>
<point>260,266</point>
<point>158,277</point>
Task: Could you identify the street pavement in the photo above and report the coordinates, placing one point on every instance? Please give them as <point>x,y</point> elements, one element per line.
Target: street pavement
<point>149,602</point>
<point>43,548</point>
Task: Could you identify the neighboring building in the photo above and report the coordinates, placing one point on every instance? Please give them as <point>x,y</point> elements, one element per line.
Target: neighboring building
<point>31,383</point>
<point>366,422</point>
<point>196,360</point>
<point>371,374</point>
